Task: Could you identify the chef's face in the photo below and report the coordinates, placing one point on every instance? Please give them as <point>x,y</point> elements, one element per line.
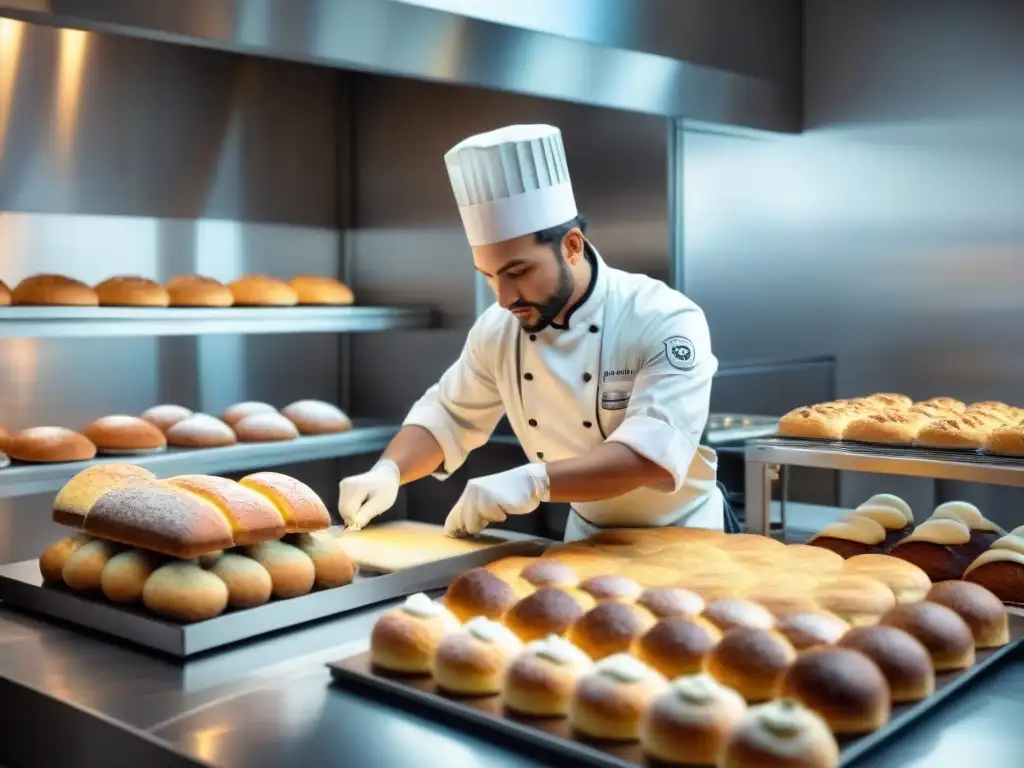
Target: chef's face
<point>533,281</point>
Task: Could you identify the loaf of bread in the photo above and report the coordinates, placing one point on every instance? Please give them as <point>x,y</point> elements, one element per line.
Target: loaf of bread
<point>962,432</point>
<point>252,516</point>
<point>891,400</point>
<point>325,291</point>
<point>1006,440</point>
<point>132,291</point>
<point>53,290</point>
<point>315,417</point>
<point>116,435</point>
<point>301,508</point>
<point>816,422</point>
<point>48,445</point>
<point>262,291</point>
<point>76,498</point>
<point>198,291</point>
<point>891,426</point>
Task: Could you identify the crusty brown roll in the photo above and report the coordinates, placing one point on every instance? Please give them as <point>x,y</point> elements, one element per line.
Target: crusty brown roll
<point>334,567</point>
<point>323,291</point>
<point>998,405</point>
<point>315,417</point>
<point>816,422</point>
<point>960,432</point>
<point>291,570</point>
<point>750,661</point>
<point>48,445</point>
<point>611,587</point>
<point>56,556</point>
<point>159,518</point>
<point>906,663</point>
<point>124,576</point>
<point>200,431</point>
<point>549,573</point>
<point>198,291</point>
<point>609,627</point>
<point>249,583</point>
<point>851,536</point>
<point>53,290</point>
<point>689,722</point>
<point>671,602</point>
<point>124,434</point>
<point>1001,569</point>
<point>265,428</point>
<point>76,498</point>
<point>806,630</point>
<point>907,582</point>
<point>857,600</point>
<point>889,427</point>
<point>301,508</point>
<point>184,592</point>
<point>983,612</point>
<point>262,291</point>
<point>677,646</point>
<point>984,532</point>
<point>730,613</point>
<point>132,291</point>
<point>406,637</point>
<point>163,417</point>
<point>540,680</point>
<point>473,660</point>
<point>940,548</point>
<point>843,686</point>
<point>478,592</point>
<point>5,295</point>
<point>780,734</point>
<point>239,411</point>
<point>946,636</point>
<point>548,611</point>
<point>83,569</point>
<point>897,523</point>
<point>251,515</point>
<point>608,703</point>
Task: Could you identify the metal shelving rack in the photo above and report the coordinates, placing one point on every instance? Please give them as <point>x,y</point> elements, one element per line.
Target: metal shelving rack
<point>767,458</point>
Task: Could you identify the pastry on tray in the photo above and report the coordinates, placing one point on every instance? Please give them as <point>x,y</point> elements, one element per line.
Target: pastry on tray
<point>939,547</point>
<point>905,662</point>
<point>780,733</point>
<point>609,702</point>
<point>961,432</point>
<point>540,680</point>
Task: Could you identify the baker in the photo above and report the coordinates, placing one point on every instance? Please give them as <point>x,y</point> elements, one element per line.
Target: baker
<point>605,376</point>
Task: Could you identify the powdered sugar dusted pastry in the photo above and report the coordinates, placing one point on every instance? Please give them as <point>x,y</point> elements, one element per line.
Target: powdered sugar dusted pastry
<point>473,660</point>
<point>540,680</point>
<point>405,638</point>
<point>609,702</point>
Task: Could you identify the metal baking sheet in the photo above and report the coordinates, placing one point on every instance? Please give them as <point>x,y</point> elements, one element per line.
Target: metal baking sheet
<point>21,586</point>
<point>554,735</point>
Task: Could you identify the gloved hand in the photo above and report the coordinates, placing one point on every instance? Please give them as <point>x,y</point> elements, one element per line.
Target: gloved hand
<point>362,497</point>
<point>492,498</point>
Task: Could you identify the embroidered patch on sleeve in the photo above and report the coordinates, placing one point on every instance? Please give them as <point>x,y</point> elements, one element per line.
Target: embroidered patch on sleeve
<point>680,353</point>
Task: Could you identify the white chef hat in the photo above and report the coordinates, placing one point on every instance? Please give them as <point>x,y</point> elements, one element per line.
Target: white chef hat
<point>511,182</point>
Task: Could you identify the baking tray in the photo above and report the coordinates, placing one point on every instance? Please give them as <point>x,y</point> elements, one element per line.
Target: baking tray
<point>554,737</point>
<point>21,587</point>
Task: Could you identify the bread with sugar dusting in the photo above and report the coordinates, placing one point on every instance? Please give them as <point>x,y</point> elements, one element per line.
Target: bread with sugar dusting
<point>252,516</point>
<point>301,508</point>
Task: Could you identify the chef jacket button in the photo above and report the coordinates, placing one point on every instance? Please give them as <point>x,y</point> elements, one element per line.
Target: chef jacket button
<point>540,454</point>
<point>587,425</point>
<point>594,329</point>
<point>587,377</point>
<point>532,422</point>
<point>528,376</point>
<point>533,337</point>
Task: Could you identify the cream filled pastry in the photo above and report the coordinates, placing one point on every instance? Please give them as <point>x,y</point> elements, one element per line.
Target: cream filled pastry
<point>405,638</point>
<point>472,661</point>
<point>854,535</point>
<point>540,680</point>
<point>939,547</point>
<point>897,522</point>
<point>608,703</point>
<point>780,733</point>
<point>983,531</point>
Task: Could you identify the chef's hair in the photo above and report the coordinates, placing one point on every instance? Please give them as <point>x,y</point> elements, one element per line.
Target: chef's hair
<point>553,235</point>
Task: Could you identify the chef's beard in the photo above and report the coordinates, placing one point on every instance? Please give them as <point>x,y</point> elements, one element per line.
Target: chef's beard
<point>553,305</point>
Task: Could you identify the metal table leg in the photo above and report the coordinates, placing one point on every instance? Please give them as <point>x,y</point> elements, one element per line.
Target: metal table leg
<point>758,496</point>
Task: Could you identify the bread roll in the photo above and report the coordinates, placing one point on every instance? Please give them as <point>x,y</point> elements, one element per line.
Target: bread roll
<point>124,434</point>
<point>123,578</point>
<point>901,658</point>
<point>610,627</point>
<point>5,295</point>
<point>806,630</point>
<point>78,495</point>
<point>854,535</point>
<point>940,548</point>
<point>908,583</point>
<point>731,613</point>
<point>479,592</point>
<point>163,417</point>
<point>548,611</point>
<point>472,661</point>
<point>1006,440</point>
<point>291,570</point>
<point>315,417</point>
<point>324,291</point>
<point>262,291</point>
<point>897,526</point>
<point>946,636</point>
<point>56,556</point>
<point>983,531</point>
<point>540,680</point>
<point>818,422</point>
<point>689,722</point>
<point>857,600</point>
<point>889,427</point>
<point>982,611</point>
<point>548,573</point>
<point>53,290</point>
<point>239,411</point>
<point>961,432</point>
<point>996,405</point>
<point>945,402</point>
<point>84,567</point>
<point>132,291</point>
<point>611,587</point>
<point>677,646</point>
<point>891,400</point>
<point>251,515</point>
<point>608,703</point>
<point>198,291</point>
<point>334,568</point>
<point>301,508</point>
<point>249,583</point>
<point>777,735</point>
<point>48,445</point>
<point>750,661</point>
<point>182,591</point>
<point>3,439</point>
<point>406,638</point>
<point>265,428</point>
<point>671,602</point>
<point>200,431</point>
<point>1000,570</point>
<point>157,517</point>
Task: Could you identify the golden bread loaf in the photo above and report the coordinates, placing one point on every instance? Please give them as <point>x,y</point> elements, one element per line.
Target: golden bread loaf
<point>816,422</point>
<point>251,515</point>
<point>198,291</point>
<point>1006,440</point>
<point>324,291</point>
<point>896,427</point>
<point>132,291</point>
<point>262,291</point>
<point>76,498</point>
<point>961,432</point>
<point>301,508</point>
<point>949,403</point>
<point>53,290</point>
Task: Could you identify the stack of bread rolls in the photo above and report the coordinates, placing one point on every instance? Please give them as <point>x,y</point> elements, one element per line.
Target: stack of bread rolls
<point>896,420</point>
<point>702,647</point>
<point>192,546</point>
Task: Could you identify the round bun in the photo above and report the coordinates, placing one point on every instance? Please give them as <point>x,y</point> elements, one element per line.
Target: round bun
<point>123,578</point>
<point>124,434</point>
<point>183,591</point>
<point>200,431</point>
<point>609,628</point>
<point>908,583</point>
<point>473,660</point>
<point>548,611</point>
<point>332,564</point>
<point>671,602</point>
<point>249,583</point>
<point>777,734</point>
<point>262,291</point>
<point>806,630</point>
<point>549,573</point>
<point>265,428</point>
<point>983,612</point>
<point>55,556</point>
<point>905,663</point>
<point>857,600</point>
<point>315,417</point>
<point>540,680</point>
<point>5,295</point>
<point>84,568</point>
<point>324,291</point>
<point>609,702</point>
<point>611,587</point>
<point>291,570</point>
<point>689,722</point>
<point>53,290</point>
<point>843,686</point>
<point>946,636</point>
<point>163,417</point>
<point>132,291</point>
<point>240,411</point>
<point>731,613</point>
<point>677,646</point>
<point>479,592</point>
<point>198,291</point>
<point>406,638</point>
<point>43,445</point>
<point>750,661</point>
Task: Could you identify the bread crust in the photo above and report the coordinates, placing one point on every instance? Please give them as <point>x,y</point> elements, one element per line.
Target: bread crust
<point>131,291</point>
<point>53,290</point>
<point>315,417</point>
<point>891,427</point>
<point>252,516</point>
<point>963,432</point>
<point>301,508</point>
<point>820,422</point>
<point>322,291</point>
<point>44,445</point>
<point>124,433</point>
<point>198,291</point>
<point>262,291</point>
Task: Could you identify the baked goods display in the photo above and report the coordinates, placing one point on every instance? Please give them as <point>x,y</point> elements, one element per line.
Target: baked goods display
<point>189,547</point>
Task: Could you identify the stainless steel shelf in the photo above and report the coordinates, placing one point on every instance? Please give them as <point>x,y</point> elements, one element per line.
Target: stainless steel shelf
<point>24,479</point>
<point>83,322</point>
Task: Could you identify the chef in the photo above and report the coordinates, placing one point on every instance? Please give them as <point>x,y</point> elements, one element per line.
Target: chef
<point>605,376</point>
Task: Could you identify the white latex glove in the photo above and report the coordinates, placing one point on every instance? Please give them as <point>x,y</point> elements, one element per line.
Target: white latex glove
<point>492,498</point>
<point>362,497</point>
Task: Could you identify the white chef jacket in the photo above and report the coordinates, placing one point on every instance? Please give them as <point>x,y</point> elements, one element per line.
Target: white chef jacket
<point>632,363</point>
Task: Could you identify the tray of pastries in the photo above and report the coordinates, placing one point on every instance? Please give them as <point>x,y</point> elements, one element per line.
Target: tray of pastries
<point>689,647</point>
